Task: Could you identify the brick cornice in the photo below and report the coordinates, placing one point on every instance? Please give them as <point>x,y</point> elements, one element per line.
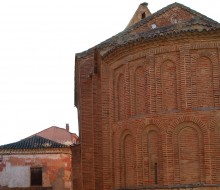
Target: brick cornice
<point>66,150</point>
<point>117,52</point>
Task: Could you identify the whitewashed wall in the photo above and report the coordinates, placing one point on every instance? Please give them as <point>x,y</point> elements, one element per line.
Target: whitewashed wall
<point>15,176</point>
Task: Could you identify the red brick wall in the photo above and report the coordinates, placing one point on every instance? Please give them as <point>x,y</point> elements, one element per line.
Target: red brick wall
<point>77,179</point>
<point>176,14</point>
<point>151,114</point>
<point>189,156</point>
<point>90,133</point>
<point>86,123</point>
<point>149,111</point>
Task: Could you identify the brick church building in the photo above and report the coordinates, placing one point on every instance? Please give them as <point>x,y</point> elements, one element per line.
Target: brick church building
<point>148,101</point>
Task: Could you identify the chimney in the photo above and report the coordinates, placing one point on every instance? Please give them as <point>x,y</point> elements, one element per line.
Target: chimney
<point>141,13</point>
<point>67,127</point>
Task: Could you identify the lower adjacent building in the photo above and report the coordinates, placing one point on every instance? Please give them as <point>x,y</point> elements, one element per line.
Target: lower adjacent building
<point>36,162</point>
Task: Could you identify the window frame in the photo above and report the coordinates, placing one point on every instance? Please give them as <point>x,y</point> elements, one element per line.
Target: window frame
<point>38,177</point>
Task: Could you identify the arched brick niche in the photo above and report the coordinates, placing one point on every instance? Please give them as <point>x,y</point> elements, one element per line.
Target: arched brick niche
<point>217,146</point>
<point>169,85</point>
<point>127,160</point>
<point>113,153</point>
<point>121,97</point>
<point>202,84</point>
<point>152,163</point>
<point>139,85</point>
<point>167,80</point>
<point>204,78</point>
<point>188,154</point>
<point>119,94</point>
<point>140,91</point>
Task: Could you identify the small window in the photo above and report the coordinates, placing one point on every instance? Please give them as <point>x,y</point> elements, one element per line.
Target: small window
<point>36,176</point>
<point>1,158</point>
<point>143,15</point>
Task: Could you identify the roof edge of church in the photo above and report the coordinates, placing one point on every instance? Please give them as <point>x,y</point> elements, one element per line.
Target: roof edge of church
<point>110,40</point>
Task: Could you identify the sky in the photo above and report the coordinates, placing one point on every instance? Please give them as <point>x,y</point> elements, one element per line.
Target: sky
<point>38,43</point>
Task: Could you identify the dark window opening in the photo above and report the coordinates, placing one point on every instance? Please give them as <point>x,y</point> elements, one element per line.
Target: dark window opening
<point>155,173</point>
<point>36,176</point>
<point>143,15</point>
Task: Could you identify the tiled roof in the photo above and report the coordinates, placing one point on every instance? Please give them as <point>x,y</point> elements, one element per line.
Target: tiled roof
<point>34,142</point>
<point>59,135</point>
<point>125,36</point>
<point>194,25</point>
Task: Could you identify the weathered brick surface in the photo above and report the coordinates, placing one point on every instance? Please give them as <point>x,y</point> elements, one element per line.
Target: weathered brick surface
<point>149,112</point>
<point>171,16</point>
<point>77,180</point>
<point>57,170</point>
<point>177,138</point>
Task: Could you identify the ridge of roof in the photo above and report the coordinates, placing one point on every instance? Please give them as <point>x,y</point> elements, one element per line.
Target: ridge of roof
<point>111,41</point>
<point>60,128</point>
<point>161,11</point>
<point>33,142</point>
